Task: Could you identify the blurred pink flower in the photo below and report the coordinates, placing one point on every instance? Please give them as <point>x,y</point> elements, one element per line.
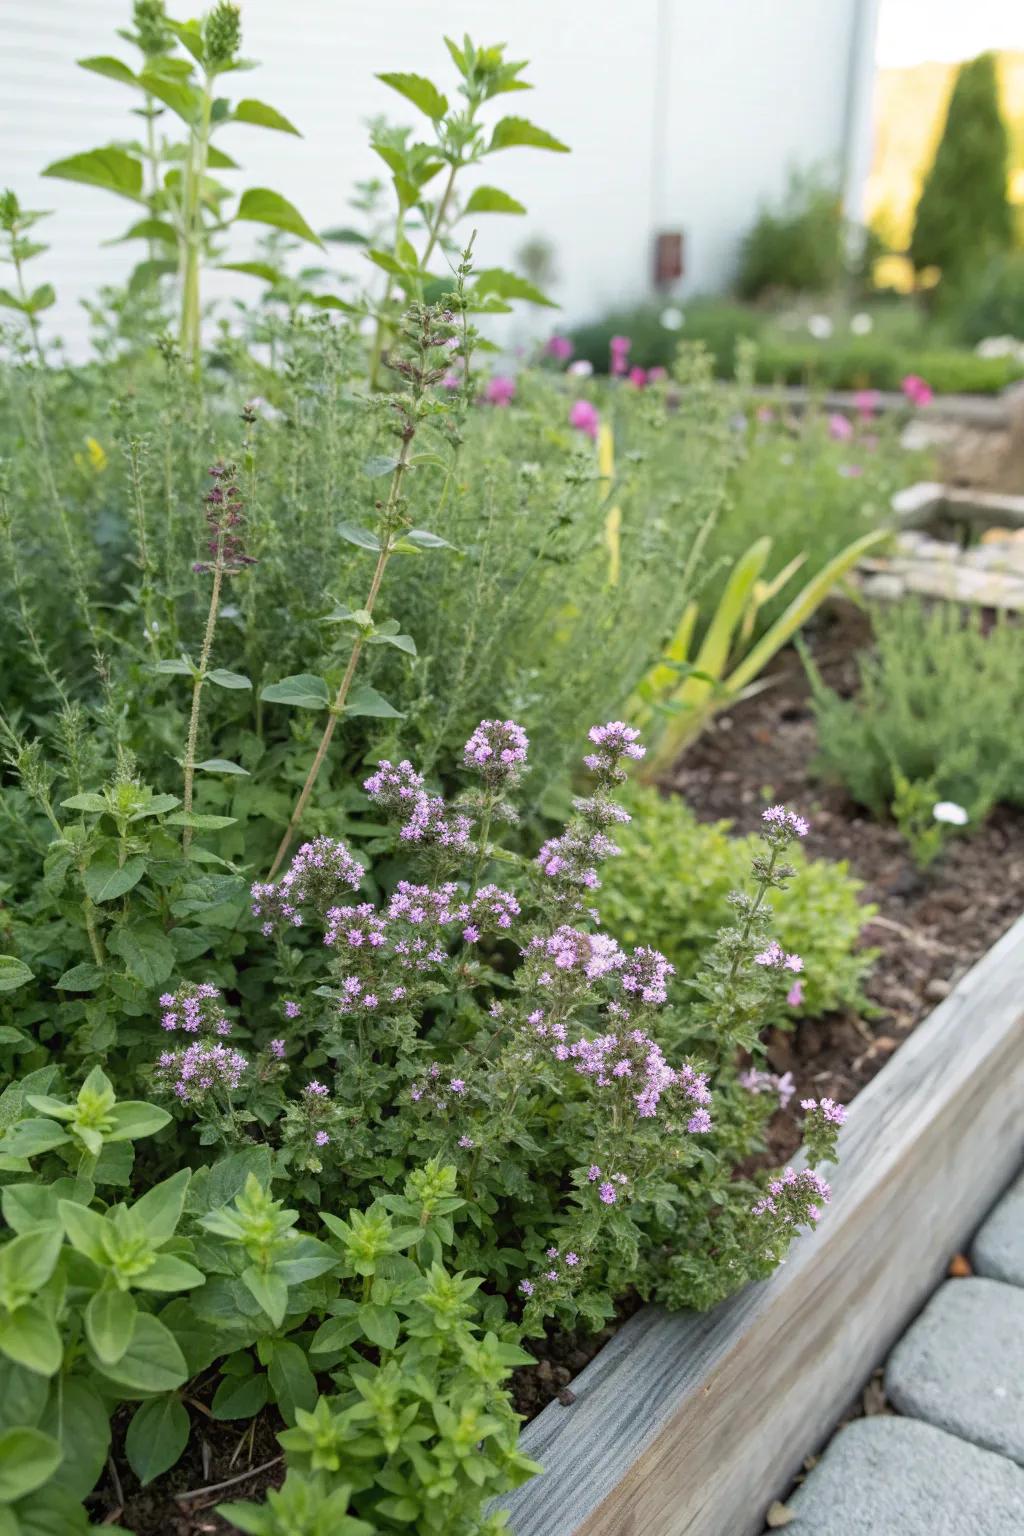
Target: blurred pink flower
<point>451,381</point>
<point>866,403</point>
<point>560,348</point>
<point>584,417</point>
<point>765,413</point>
<point>851,471</point>
<point>917,390</point>
<point>657,375</point>
<point>840,427</point>
<point>794,997</point>
<point>500,389</point>
<point>619,347</point>
<point>637,377</point>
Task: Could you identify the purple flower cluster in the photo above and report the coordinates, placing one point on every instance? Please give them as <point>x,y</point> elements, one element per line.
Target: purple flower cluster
<point>608,1189</point>
<point>571,858</point>
<point>614,741</point>
<point>777,818</point>
<point>645,974</point>
<point>794,1197</point>
<point>394,788</point>
<point>224,522</point>
<point>195,1010</point>
<point>755,1081</point>
<point>774,957</point>
<point>316,875</point>
<point>497,751</point>
<point>827,1109</point>
<point>552,1275</point>
<point>437,1092</point>
<point>199,1069</point>
<point>636,1063</point>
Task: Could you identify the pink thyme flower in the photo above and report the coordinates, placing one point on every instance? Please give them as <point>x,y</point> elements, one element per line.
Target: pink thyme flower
<point>585,417</point>
<point>525,1288</point>
<point>607,1194</point>
<point>638,377</point>
<point>559,347</point>
<point>840,427</point>
<point>917,390</point>
<point>866,403</point>
<point>795,995</point>
<point>466,1142</point>
<point>500,390</point>
<point>618,348</point>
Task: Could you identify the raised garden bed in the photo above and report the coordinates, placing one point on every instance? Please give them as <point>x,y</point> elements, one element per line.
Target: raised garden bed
<point>695,1423</point>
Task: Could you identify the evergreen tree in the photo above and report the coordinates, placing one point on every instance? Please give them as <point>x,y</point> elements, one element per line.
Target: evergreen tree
<point>963,215</point>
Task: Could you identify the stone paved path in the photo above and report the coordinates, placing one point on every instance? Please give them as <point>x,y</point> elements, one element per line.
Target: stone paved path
<point>953,1464</point>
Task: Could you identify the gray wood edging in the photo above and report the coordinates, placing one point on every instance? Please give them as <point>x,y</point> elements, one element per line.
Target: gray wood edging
<point>691,1424</point>
<point>993,412</point>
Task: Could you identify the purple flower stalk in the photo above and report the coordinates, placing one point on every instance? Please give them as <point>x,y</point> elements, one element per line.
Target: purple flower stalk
<point>497,751</point>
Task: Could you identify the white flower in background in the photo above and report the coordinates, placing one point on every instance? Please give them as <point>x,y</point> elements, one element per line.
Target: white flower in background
<point>1000,346</point>
<point>820,327</point>
<point>581,368</point>
<point>672,318</point>
<point>952,814</point>
<point>862,325</point>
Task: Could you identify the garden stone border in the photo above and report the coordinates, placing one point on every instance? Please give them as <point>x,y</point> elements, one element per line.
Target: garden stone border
<point>996,412</point>
<point>691,1424</point>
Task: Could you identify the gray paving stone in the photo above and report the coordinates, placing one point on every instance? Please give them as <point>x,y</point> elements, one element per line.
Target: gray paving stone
<point>999,1247</point>
<point>887,1476</point>
<point>961,1365</point>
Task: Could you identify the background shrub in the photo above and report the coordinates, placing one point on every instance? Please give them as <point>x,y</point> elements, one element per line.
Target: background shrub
<point>673,883</point>
<point>963,213</point>
<point>940,704</point>
<point>797,247</point>
<point>994,302</point>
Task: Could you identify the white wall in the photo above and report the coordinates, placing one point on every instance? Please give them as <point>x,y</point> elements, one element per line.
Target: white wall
<point>748,89</point>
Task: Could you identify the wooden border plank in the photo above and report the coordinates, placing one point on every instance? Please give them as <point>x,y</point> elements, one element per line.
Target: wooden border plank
<point>690,1424</point>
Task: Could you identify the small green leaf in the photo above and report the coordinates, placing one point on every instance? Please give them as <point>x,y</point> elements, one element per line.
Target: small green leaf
<point>420,91</point>
<point>303,691</point>
<point>160,1208</point>
<point>380,1324</point>
<point>513,131</point>
<point>148,229</point>
<point>153,1362</point>
<point>30,1338</point>
<point>86,802</point>
<point>240,1397</point>
<point>112,169</point>
<point>136,1118</point>
<point>364,538</point>
<point>200,821</point>
<point>379,464</point>
<point>182,98</point>
<point>509,285</point>
<point>105,879</point>
<point>262,116</point>
<point>106,64</point>
<point>109,1320</point>
<point>420,538</point>
<point>365,700</point>
<point>81,978</point>
<point>291,1378</point>
<point>146,950</point>
<point>492,200</point>
<point>14,973</point>
<point>169,1273</point>
<point>176,666</point>
<point>41,298</point>
<point>389,263</point>
<point>29,1138</point>
<point>221,765</point>
<point>28,1459</point>
<point>261,206</point>
<point>270,1292</point>
<point>260,269</point>
<point>157,1435</point>
<point>228,679</point>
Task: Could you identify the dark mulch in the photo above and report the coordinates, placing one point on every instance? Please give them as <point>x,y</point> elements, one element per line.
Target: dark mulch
<point>931,927</point>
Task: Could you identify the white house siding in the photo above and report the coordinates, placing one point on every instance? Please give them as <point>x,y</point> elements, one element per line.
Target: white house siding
<point>680,113</point>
